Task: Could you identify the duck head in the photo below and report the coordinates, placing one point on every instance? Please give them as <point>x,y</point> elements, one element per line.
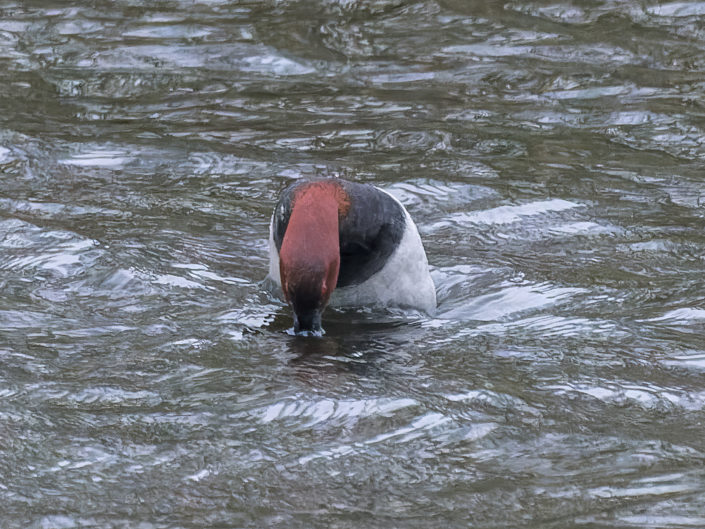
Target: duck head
<point>309,258</point>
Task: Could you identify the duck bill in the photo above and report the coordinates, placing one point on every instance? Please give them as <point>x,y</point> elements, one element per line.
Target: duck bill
<point>308,321</point>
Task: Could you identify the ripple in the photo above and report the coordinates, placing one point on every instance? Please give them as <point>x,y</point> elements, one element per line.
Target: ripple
<point>648,521</point>
<point>98,158</point>
<point>249,318</point>
<point>507,214</point>
<point>596,55</point>
<point>174,281</point>
<point>60,252</point>
<point>555,325</point>
<point>624,393</point>
<point>682,316</point>
<point>654,485</point>
<point>491,399</point>
<point>343,412</point>
<point>510,299</point>
<point>691,360</point>
<point>677,9</point>
<point>53,210</point>
<point>240,57</point>
<point>427,424</point>
<point>169,31</point>
<point>23,319</point>
<point>5,155</point>
<point>92,332</point>
<point>122,282</point>
<point>405,140</point>
<point>431,195</point>
<point>418,427</point>
<point>111,396</point>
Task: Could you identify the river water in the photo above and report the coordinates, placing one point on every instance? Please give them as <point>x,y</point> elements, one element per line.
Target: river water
<point>552,155</point>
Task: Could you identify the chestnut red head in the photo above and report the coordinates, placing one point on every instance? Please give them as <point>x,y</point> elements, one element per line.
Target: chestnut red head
<point>309,258</point>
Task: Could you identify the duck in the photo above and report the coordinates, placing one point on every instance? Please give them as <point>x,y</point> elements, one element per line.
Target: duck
<point>346,244</point>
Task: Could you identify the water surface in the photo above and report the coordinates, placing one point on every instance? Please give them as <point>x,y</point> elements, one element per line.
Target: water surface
<point>552,156</point>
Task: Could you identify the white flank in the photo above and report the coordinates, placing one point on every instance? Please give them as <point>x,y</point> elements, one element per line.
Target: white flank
<point>273,255</point>
<point>404,281</point>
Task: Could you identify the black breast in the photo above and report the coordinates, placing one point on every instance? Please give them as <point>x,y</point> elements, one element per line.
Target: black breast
<point>369,233</point>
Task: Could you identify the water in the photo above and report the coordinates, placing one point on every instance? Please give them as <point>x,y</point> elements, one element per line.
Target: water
<point>552,155</point>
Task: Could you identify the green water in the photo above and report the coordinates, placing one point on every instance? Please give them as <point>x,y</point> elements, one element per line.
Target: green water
<point>552,156</point>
